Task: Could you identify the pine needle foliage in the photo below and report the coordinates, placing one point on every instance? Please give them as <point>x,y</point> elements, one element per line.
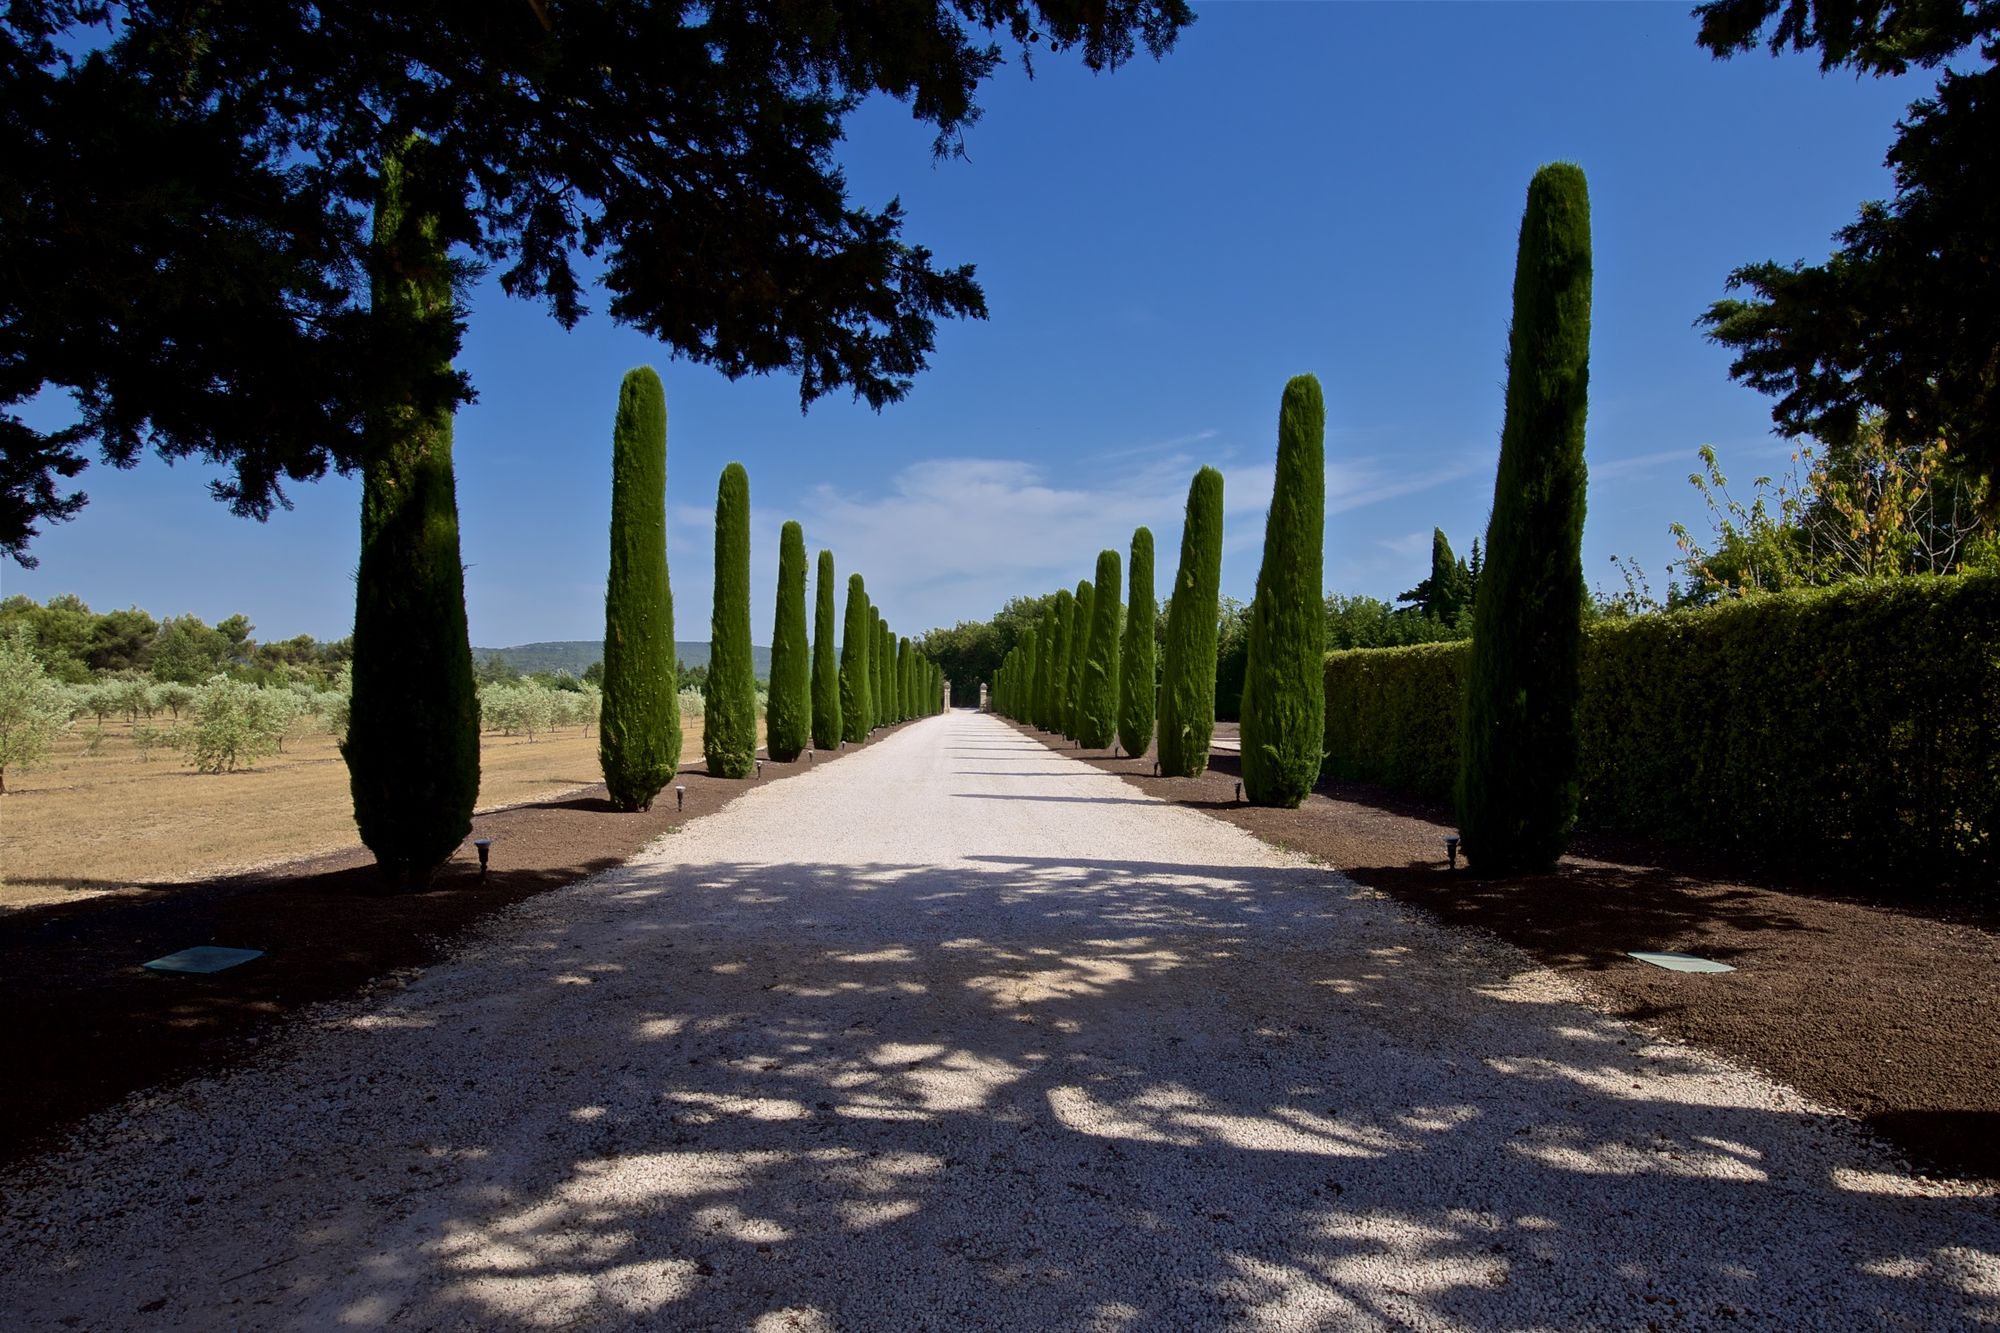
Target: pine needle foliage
<point>1138,688</point>
<point>855,709</point>
<point>1517,788</point>
<point>1284,690</point>
<point>1097,697</point>
<point>788,710</point>
<point>729,696</point>
<point>826,661</point>
<point>412,746</point>
<point>1187,675</point>
<point>639,728</point>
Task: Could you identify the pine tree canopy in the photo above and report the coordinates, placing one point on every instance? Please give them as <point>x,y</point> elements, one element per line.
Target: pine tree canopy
<point>1904,317</point>
<point>152,154</point>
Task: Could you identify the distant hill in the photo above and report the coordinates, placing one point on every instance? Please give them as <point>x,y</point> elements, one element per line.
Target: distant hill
<point>576,655</point>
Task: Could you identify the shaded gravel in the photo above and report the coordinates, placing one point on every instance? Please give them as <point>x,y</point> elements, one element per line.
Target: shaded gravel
<point>960,1033</point>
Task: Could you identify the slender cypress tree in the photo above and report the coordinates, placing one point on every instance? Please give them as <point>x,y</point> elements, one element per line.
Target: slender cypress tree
<point>1079,653</point>
<point>412,748</point>
<point>1097,691</point>
<point>639,727</point>
<point>1138,689</point>
<point>1517,784</point>
<point>1021,679</point>
<point>826,663</point>
<point>906,676</point>
<point>1048,669</point>
<point>1187,675</point>
<point>788,710</point>
<point>855,710</point>
<point>1284,680</point>
<point>729,697</point>
<point>1059,669</point>
<point>883,698</point>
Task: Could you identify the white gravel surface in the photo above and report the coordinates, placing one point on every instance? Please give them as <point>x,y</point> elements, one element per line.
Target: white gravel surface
<point>957,1033</point>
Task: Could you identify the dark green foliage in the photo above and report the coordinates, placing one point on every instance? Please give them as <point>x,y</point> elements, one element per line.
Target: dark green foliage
<point>788,713</point>
<point>856,709</point>
<point>186,187</point>
<point>1023,671</point>
<point>1081,620</point>
<point>881,685</point>
<point>826,662</point>
<point>1187,666</point>
<point>1097,694</point>
<point>1517,792</point>
<point>729,695</point>
<point>1843,730</point>
<point>1447,593</point>
<point>412,745</point>
<point>1904,317</point>
<point>1284,697</point>
<point>1055,690</point>
<point>639,731</point>
<point>1138,689</point>
<point>906,677</point>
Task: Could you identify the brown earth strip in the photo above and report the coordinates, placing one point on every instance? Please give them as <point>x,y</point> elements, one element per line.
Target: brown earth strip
<point>1890,1013</point>
<point>86,1024</point>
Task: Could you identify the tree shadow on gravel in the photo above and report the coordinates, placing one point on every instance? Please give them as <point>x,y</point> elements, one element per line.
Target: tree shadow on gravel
<point>1031,1091</point>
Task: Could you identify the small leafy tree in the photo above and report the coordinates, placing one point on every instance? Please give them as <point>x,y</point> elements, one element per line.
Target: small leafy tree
<point>34,710</point>
<point>231,724</point>
<point>1284,689</point>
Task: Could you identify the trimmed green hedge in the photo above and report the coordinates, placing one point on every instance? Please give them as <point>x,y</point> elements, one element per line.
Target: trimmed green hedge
<point>1854,728</point>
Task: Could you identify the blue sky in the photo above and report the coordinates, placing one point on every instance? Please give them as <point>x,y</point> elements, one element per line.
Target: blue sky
<point>1324,188</point>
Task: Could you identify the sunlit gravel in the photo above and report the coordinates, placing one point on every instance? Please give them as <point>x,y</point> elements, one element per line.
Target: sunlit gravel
<point>957,1033</point>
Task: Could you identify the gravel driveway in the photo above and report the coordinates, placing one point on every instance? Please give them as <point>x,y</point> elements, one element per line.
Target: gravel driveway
<point>958,1033</point>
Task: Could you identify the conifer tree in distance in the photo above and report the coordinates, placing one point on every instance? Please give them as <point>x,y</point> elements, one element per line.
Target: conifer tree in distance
<point>1049,671</point>
<point>639,726</point>
<point>1284,679</point>
<point>788,710</point>
<point>1517,785</point>
<point>1138,688</point>
<point>1097,696</point>
<point>729,696</point>
<point>1083,606</point>
<point>412,747</point>
<point>1187,675</point>
<point>825,663</point>
<point>855,710</point>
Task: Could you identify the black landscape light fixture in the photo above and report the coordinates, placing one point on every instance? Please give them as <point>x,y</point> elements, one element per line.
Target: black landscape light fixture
<point>809,756</point>
<point>1239,793</point>
<point>1156,768</point>
<point>483,846</point>
<point>760,768</point>
<point>1451,849</point>
<point>680,797</point>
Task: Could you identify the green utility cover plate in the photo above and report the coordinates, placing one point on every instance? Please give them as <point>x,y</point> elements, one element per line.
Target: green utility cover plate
<point>1681,962</point>
<point>203,958</point>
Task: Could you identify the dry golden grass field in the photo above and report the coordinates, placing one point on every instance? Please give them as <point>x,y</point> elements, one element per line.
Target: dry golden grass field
<point>93,819</point>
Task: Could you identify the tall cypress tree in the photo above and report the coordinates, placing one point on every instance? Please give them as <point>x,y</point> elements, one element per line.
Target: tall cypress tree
<point>412,747</point>
<point>788,712</point>
<point>1097,694</point>
<point>1138,689</point>
<point>855,710</point>
<point>906,676</point>
<point>879,693</point>
<point>1187,675</point>
<point>1284,679</point>
<point>1517,783</point>
<point>639,727</point>
<point>1021,676</point>
<point>729,697</point>
<point>1059,669</point>
<point>1049,670</point>
<point>826,663</point>
<point>1084,606</point>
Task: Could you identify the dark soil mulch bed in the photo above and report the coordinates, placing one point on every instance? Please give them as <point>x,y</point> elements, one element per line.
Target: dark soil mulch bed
<point>85,1024</point>
<point>1889,1012</point>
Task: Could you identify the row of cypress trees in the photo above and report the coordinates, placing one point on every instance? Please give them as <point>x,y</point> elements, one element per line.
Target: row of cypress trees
<point>1517,789</point>
<point>812,700</point>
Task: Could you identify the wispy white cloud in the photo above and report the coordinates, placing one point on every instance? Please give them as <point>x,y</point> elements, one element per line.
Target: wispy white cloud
<point>1408,544</point>
<point>1642,464</point>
